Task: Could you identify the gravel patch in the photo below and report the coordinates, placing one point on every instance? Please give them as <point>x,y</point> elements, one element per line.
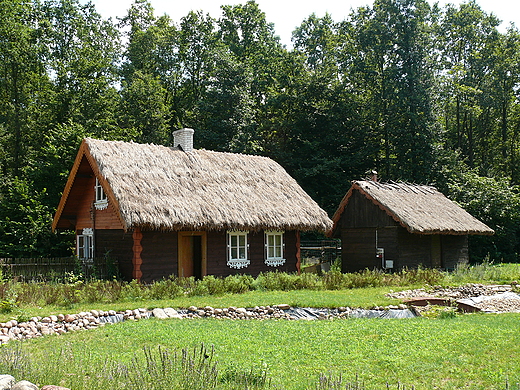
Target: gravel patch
<point>487,298</point>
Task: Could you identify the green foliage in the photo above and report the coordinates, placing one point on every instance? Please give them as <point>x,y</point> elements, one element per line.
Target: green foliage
<point>25,221</point>
<point>335,280</point>
<point>7,306</point>
<point>280,281</point>
<point>157,368</point>
<point>499,273</point>
<point>440,312</point>
<point>166,288</point>
<point>496,203</point>
<point>255,378</point>
<point>75,291</point>
<point>419,93</point>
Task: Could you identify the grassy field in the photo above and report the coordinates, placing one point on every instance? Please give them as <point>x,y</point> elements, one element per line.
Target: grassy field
<point>470,351</point>
<point>474,351</point>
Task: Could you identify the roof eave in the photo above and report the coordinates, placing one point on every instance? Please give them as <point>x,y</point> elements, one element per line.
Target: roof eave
<point>68,186</point>
<point>84,151</point>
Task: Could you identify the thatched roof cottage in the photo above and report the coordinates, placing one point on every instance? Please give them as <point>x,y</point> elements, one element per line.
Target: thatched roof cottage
<point>176,210</point>
<point>397,225</point>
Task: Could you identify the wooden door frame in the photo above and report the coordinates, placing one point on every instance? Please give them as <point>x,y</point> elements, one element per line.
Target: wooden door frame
<point>181,250</point>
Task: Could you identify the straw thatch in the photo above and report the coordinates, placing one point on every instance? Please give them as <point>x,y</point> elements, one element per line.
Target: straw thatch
<point>418,208</point>
<point>158,187</point>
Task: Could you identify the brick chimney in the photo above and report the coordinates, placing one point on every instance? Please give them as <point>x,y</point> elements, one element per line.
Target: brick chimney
<point>183,139</point>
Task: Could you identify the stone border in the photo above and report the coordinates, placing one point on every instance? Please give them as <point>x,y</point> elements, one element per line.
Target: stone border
<point>63,323</point>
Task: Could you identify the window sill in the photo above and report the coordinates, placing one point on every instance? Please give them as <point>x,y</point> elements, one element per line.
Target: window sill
<point>238,263</point>
<point>101,205</point>
<point>274,262</point>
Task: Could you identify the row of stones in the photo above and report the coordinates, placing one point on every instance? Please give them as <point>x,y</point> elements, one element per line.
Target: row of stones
<point>62,323</point>
<point>7,382</point>
<point>258,312</point>
<point>466,291</point>
<point>232,312</point>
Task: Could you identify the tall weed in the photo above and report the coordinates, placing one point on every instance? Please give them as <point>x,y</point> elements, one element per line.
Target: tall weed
<point>486,271</point>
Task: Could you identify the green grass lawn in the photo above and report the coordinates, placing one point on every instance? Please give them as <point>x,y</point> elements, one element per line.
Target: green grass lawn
<point>471,351</point>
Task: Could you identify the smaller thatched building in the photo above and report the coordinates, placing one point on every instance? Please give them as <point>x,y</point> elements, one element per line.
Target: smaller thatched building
<point>396,225</point>
<point>164,211</point>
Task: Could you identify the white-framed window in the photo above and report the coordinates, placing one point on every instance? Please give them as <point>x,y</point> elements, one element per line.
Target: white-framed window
<point>101,202</point>
<point>238,249</point>
<point>274,248</point>
<point>85,244</point>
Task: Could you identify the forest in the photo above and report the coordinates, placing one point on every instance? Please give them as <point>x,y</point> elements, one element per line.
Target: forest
<point>420,93</point>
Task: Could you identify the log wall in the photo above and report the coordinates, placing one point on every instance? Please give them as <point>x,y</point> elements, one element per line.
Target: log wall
<point>361,212</point>
<point>358,248</point>
<point>414,250</point>
<point>359,223</point>
<point>159,255</point>
<point>118,245</point>
<point>454,251</point>
<point>160,250</point>
<point>217,255</point>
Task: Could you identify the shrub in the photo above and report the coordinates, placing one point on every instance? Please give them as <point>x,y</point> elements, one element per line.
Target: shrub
<point>166,288</point>
<point>334,280</point>
<point>281,281</point>
<point>133,291</point>
<point>238,284</point>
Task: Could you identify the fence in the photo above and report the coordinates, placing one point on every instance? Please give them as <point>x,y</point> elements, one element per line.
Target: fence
<point>56,269</point>
<point>319,253</point>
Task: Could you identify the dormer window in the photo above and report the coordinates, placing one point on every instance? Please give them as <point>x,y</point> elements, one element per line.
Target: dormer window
<point>101,202</point>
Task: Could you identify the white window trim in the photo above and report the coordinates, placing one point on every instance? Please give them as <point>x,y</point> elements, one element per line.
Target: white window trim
<point>87,236</point>
<point>101,202</point>
<point>238,262</point>
<point>274,261</point>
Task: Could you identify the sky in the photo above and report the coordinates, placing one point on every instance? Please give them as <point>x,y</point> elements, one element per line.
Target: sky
<point>288,14</point>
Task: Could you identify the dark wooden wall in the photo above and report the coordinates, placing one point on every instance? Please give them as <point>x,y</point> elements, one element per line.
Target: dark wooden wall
<point>361,212</point>
<point>159,255</point>
<point>358,247</point>
<point>217,255</point>
<point>358,225</point>
<point>454,251</point>
<point>118,245</point>
<point>414,250</point>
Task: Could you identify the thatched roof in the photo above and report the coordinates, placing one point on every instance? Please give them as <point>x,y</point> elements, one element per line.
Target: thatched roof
<point>418,208</point>
<point>157,187</point>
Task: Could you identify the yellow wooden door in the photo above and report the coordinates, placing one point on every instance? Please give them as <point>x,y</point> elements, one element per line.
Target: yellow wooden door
<point>192,254</point>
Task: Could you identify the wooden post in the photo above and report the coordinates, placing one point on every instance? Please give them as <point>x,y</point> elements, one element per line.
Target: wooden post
<point>137,249</point>
<point>298,256</point>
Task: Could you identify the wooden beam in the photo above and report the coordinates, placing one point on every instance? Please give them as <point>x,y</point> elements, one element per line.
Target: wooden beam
<point>68,186</point>
<point>298,253</point>
<point>136,260</point>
